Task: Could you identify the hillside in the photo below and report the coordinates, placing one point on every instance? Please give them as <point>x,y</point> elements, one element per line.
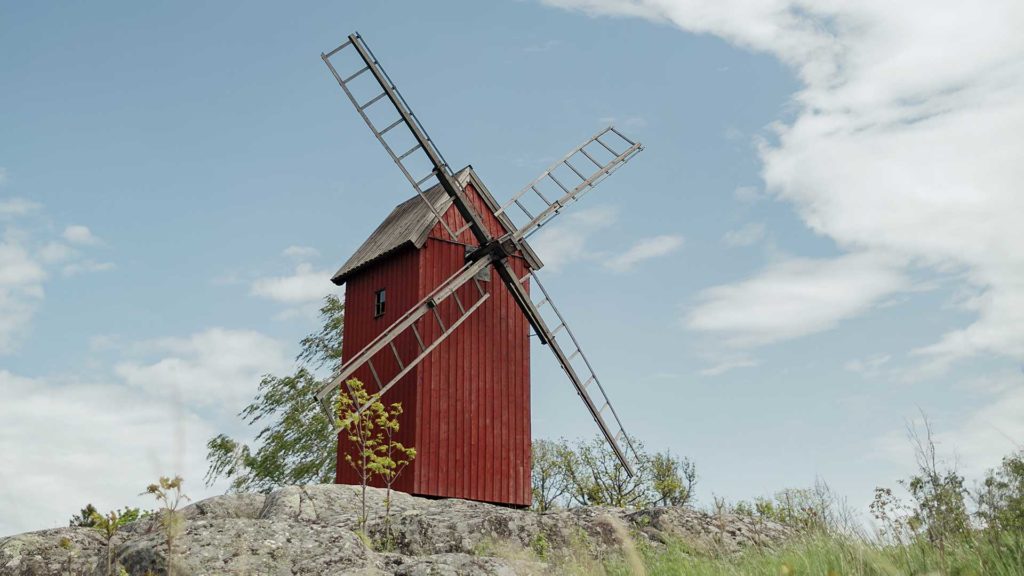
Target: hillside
<point>311,530</point>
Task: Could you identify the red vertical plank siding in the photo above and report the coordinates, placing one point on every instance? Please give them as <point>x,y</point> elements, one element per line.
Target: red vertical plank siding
<point>398,275</point>
<point>467,405</point>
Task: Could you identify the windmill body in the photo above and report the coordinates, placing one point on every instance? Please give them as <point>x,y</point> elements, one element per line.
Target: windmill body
<point>466,406</point>
<point>443,296</point>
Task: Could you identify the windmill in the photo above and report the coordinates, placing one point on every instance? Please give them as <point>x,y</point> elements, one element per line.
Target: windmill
<point>455,356</point>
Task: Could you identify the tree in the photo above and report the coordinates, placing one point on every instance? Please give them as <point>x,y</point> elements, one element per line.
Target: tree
<point>293,447</point>
<point>1001,496</point>
<point>672,479</point>
<point>940,509</point>
<point>85,517</point>
<point>595,477</point>
<point>547,474</point>
<point>364,435</point>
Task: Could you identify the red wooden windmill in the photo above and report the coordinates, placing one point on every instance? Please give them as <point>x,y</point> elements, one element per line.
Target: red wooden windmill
<point>426,321</point>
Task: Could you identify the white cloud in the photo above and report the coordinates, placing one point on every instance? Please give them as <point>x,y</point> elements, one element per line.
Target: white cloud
<point>795,297</point>
<point>11,207</point>
<point>566,241</point>
<point>300,252</point>
<point>906,140</point>
<point>748,234</point>
<point>217,367</point>
<point>644,249</point>
<point>78,234</point>
<point>305,286</point>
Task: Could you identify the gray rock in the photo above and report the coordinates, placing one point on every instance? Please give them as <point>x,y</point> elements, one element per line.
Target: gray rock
<point>311,530</point>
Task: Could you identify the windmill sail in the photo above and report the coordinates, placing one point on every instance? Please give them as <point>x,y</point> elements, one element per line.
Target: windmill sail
<point>421,163</point>
<point>567,180</point>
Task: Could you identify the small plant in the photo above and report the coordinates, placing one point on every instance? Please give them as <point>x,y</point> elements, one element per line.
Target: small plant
<point>391,458</point>
<point>70,552</point>
<point>168,493</point>
<point>363,434</point>
<point>108,526</point>
<point>540,546</point>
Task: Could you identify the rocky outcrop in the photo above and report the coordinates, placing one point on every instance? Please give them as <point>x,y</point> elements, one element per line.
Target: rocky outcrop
<point>312,530</point>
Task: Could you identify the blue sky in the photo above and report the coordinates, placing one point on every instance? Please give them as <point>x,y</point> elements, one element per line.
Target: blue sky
<point>819,241</point>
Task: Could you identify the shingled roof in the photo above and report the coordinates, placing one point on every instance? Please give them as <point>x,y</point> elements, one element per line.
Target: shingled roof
<point>410,223</point>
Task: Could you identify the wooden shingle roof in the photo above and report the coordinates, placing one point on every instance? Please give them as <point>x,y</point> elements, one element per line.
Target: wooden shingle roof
<point>410,223</point>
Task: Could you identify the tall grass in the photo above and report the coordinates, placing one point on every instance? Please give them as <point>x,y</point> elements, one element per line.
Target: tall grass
<point>826,555</point>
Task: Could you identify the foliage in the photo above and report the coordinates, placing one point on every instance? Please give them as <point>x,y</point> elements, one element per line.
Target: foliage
<point>588,473</point>
<point>85,517</point>
<point>594,475</point>
<point>940,509</point>
<point>391,457</point>
<point>1000,498</point>
<point>167,492</point>
<point>547,474</point>
<point>364,435</point>
<point>672,479</point>
<point>293,447</point>
<point>108,525</point>
<point>814,509</point>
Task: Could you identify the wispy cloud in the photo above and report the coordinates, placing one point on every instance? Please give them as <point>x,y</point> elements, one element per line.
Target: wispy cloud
<point>545,46</point>
<point>78,234</point>
<point>216,367</point>
<point>748,234</point>
<point>303,286</point>
<point>26,263</point>
<point>795,297</point>
<point>566,241</point>
<point>303,253</point>
<point>644,249</point>
<point>869,366</point>
<point>728,365</point>
<point>86,266</point>
<point>10,207</point>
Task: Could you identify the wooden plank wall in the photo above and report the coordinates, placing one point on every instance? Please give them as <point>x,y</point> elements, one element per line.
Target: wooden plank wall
<point>474,392</point>
<point>399,275</point>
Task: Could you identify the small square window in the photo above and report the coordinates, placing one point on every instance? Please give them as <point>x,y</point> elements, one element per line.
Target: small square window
<point>379,299</point>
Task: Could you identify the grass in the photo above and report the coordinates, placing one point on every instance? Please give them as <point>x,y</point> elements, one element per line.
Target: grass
<point>831,556</point>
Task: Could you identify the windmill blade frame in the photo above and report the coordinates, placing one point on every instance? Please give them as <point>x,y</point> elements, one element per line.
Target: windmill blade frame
<point>594,151</point>
<point>440,170</point>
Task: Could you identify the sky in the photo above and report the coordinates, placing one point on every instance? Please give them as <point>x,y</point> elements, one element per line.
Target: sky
<point>819,244</point>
